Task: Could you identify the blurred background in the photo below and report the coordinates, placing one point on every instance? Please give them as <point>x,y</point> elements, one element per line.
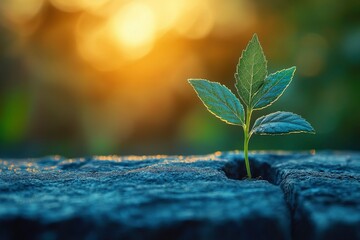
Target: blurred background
<point>83,77</point>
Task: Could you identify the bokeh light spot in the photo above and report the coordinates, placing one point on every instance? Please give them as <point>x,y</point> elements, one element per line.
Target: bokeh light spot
<point>134,27</point>
<point>197,22</point>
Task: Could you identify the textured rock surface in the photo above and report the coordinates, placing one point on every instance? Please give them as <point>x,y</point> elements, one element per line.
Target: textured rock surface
<point>323,191</point>
<point>135,198</point>
<point>299,196</point>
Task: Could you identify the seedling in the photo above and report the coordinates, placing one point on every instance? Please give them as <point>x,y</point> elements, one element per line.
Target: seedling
<point>257,90</point>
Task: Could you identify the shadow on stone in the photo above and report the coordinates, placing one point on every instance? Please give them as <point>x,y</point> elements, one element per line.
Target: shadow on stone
<point>235,169</point>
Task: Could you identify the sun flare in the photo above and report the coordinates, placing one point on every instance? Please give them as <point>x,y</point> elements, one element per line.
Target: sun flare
<point>134,28</point>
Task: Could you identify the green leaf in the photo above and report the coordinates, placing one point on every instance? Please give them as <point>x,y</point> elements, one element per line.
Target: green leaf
<point>250,71</point>
<point>279,123</point>
<point>273,87</point>
<point>219,100</point>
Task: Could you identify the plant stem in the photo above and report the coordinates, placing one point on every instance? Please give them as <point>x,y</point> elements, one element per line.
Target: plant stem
<point>246,141</point>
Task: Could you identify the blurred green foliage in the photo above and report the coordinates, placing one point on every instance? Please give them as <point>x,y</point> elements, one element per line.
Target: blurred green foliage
<point>14,116</point>
<point>50,105</point>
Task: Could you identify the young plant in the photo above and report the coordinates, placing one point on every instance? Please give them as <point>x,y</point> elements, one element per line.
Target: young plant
<point>257,90</point>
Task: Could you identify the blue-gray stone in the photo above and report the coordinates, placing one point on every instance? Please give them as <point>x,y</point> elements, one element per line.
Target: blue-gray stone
<point>297,196</point>
<point>322,190</point>
<point>159,197</point>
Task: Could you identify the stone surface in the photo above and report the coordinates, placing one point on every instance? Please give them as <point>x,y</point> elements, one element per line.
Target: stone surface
<point>157,197</point>
<point>322,190</point>
<point>298,196</point>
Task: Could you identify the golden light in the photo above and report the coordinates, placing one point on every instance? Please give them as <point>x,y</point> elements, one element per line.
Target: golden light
<point>234,17</point>
<point>77,5</point>
<point>124,63</point>
<point>20,10</point>
<point>167,13</point>
<point>196,21</point>
<point>134,27</point>
<point>67,6</point>
<point>118,32</point>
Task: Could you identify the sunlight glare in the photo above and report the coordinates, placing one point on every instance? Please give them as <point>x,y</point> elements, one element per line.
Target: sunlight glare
<point>134,28</point>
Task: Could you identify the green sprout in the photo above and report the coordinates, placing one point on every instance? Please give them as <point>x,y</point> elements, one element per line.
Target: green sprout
<point>257,90</point>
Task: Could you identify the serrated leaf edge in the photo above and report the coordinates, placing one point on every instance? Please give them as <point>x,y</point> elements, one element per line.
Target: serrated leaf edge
<point>222,119</point>
<point>271,134</point>
<point>292,76</point>
<point>254,37</point>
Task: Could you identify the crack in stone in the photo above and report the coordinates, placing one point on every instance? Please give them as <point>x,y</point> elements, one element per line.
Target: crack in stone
<point>321,191</point>
<point>194,197</point>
